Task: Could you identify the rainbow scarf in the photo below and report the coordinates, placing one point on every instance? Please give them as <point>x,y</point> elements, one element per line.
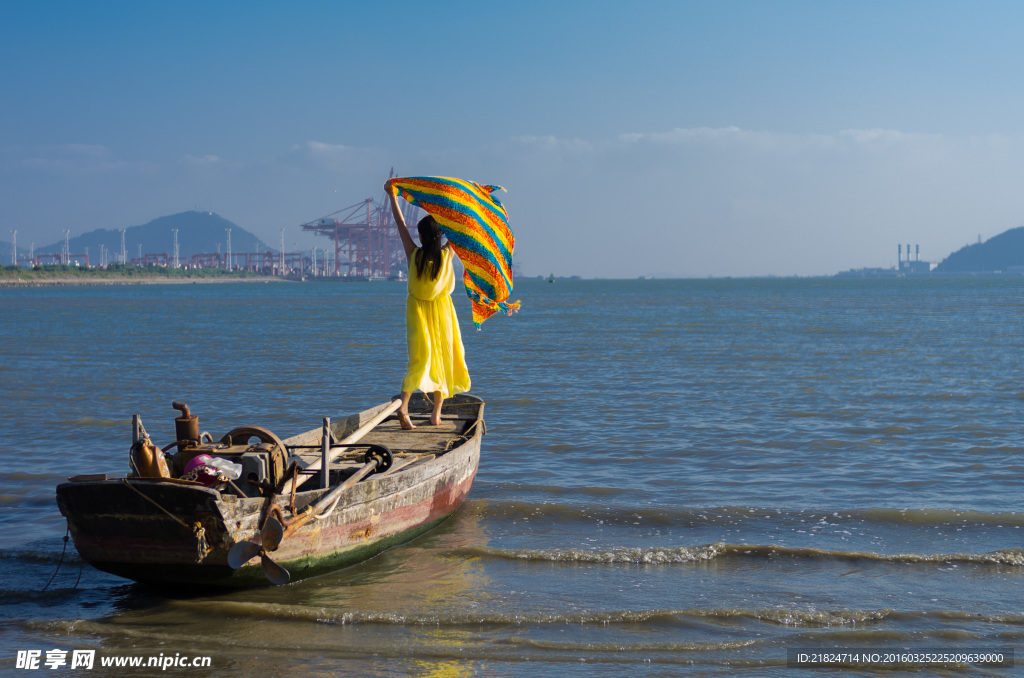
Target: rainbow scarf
<point>476,225</point>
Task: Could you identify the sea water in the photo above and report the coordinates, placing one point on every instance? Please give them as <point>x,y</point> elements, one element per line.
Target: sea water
<point>679,477</point>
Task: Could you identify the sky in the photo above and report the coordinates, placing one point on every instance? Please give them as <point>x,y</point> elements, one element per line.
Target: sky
<point>643,138</point>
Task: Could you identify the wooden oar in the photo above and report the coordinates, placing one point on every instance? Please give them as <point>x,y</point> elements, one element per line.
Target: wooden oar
<point>331,496</point>
<point>353,438</point>
<point>273,534</point>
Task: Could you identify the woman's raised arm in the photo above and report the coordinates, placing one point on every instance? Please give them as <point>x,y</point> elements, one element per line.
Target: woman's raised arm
<point>403,230</point>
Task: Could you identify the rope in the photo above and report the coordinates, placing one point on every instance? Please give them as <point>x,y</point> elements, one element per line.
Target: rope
<point>153,502</point>
<point>61,561</point>
<point>326,514</point>
<point>463,437</point>
<point>202,546</point>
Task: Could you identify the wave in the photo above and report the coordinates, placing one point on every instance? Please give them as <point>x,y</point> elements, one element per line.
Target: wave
<point>723,551</point>
<point>730,515</point>
<point>103,423</point>
<point>618,647</point>
<point>29,478</point>
<point>43,557</point>
<point>800,618</point>
<point>500,640</point>
<point>47,597</point>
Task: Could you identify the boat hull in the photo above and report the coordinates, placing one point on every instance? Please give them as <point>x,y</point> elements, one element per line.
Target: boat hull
<point>160,531</point>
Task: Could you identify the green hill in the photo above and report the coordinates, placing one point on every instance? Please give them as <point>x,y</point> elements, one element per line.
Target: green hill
<point>1001,253</point>
<point>198,232</point>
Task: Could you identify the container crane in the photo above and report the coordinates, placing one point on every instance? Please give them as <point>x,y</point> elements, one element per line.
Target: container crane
<point>366,240</point>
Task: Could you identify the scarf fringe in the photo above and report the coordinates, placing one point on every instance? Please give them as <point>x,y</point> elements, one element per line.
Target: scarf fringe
<point>503,307</point>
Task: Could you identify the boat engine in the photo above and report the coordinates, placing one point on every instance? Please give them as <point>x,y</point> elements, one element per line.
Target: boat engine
<point>262,455</point>
<point>186,427</point>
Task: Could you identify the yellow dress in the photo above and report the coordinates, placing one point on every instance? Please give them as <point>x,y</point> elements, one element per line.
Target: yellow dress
<point>437,358</point>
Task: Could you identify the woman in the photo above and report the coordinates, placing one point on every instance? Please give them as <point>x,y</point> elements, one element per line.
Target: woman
<point>437,362</point>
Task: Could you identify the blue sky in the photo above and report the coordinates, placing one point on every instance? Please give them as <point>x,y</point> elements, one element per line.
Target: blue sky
<point>684,139</point>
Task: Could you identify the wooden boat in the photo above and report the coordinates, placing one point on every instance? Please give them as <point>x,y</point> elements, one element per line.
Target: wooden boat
<point>283,518</point>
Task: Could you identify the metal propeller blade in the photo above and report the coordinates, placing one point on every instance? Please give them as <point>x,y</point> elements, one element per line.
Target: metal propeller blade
<point>277,575</point>
<point>242,552</point>
<point>272,534</point>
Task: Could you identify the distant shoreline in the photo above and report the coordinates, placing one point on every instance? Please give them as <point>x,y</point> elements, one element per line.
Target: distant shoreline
<point>93,282</point>
<point>89,281</point>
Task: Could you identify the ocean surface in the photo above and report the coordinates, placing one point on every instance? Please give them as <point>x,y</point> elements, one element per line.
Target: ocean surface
<point>689,477</point>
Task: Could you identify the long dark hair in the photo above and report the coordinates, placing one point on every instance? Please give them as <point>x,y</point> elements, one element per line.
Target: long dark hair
<point>430,247</point>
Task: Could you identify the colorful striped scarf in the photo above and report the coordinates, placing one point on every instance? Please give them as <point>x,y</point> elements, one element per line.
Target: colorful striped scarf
<point>476,225</point>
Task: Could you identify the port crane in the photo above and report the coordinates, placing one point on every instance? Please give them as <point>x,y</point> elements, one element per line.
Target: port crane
<point>365,237</point>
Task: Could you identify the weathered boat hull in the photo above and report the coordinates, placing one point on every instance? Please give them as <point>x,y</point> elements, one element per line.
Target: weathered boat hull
<point>179,532</point>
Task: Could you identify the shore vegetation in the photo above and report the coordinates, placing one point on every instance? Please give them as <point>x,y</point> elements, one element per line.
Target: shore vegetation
<point>115,273</point>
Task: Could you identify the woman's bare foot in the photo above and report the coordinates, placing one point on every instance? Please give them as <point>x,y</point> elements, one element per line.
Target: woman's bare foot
<point>438,402</point>
<point>405,422</point>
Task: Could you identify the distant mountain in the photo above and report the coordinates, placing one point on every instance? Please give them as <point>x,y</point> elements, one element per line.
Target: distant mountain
<point>198,232</point>
<point>1001,253</point>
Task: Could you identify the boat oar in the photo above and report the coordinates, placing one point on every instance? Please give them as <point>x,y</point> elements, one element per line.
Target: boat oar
<point>353,438</point>
<point>374,460</point>
<point>273,533</point>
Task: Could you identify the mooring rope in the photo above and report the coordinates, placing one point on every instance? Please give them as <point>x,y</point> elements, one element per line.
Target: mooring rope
<point>465,435</point>
<point>61,561</point>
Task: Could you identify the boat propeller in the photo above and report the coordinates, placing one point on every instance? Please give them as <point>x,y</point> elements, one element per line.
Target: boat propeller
<point>244,551</point>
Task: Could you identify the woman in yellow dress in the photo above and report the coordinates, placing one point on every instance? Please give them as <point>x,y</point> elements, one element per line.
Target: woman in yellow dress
<point>437,361</point>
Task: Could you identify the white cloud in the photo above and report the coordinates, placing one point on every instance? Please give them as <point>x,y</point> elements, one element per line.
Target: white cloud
<point>684,135</point>
<point>74,160</point>
<point>320,155</point>
<point>552,144</point>
<point>203,160</point>
<point>320,148</point>
<point>864,136</point>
